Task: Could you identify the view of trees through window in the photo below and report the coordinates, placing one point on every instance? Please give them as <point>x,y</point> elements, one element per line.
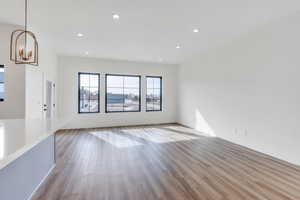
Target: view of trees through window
<point>89,93</point>
<point>1,82</point>
<point>122,93</point>
<point>154,93</point>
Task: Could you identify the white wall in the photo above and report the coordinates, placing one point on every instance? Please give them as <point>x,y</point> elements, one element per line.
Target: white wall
<point>248,91</point>
<point>22,97</point>
<point>14,104</point>
<point>68,95</point>
<point>36,77</point>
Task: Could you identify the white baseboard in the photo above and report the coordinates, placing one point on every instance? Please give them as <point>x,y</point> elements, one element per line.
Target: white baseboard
<point>42,181</point>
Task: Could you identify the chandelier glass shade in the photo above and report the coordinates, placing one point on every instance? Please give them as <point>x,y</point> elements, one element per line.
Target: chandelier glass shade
<point>24,46</point>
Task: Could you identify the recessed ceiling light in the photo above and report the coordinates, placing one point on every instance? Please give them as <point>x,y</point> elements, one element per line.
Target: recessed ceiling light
<point>196,30</point>
<point>79,35</point>
<point>116,16</point>
<point>178,47</point>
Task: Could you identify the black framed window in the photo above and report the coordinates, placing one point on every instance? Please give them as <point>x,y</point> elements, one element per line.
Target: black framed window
<point>88,92</point>
<point>123,93</point>
<point>154,93</point>
<point>2,90</point>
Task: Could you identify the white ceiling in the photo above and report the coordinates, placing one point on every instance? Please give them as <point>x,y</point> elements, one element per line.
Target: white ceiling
<point>148,30</point>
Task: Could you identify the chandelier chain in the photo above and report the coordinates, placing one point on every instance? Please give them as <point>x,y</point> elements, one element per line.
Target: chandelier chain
<point>26,7</point>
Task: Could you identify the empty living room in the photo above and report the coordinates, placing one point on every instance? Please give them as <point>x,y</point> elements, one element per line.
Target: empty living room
<point>149,100</point>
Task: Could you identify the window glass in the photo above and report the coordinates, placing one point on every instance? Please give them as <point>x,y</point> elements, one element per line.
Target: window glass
<point>88,93</point>
<point>114,99</point>
<point>154,94</point>
<point>122,93</point>
<point>114,81</point>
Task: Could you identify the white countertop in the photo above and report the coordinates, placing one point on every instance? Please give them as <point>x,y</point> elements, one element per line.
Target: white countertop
<point>17,136</point>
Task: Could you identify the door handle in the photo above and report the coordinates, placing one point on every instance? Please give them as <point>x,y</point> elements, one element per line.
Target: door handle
<point>45,107</point>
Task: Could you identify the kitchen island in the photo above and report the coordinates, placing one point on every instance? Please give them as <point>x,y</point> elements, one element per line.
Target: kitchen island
<point>27,155</point>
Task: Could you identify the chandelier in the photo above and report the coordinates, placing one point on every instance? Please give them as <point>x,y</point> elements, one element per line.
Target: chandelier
<point>23,45</point>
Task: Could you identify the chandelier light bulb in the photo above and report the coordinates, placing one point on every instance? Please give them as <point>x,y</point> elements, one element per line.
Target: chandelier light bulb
<point>24,54</point>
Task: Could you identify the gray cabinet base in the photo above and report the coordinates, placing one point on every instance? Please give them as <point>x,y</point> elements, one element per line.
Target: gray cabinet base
<point>21,178</point>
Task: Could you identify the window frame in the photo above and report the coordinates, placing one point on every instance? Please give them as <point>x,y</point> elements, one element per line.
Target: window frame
<point>122,75</point>
<point>161,99</point>
<point>88,73</point>
<point>2,66</point>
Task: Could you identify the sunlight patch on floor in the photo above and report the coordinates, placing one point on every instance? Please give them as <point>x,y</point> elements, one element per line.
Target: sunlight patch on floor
<point>157,135</point>
<point>165,134</point>
<point>187,130</point>
<point>115,139</point>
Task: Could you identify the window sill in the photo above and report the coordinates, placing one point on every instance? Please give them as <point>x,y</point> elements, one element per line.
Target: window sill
<point>88,112</point>
<point>122,111</point>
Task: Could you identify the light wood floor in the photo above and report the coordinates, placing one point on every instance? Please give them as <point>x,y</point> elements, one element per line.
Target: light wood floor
<point>163,162</point>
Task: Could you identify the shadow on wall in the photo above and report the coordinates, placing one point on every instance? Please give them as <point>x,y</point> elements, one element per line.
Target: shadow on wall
<point>201,124</point>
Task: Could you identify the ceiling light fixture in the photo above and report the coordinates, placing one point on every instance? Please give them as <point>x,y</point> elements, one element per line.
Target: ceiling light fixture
<point>23,45</point>
<point>116,16</point>
<point>86,53</point>
<point>79,35</point>
<point>196,30</point>
<point>178,47</point>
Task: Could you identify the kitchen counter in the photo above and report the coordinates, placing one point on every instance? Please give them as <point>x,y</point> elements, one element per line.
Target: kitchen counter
<point>17,136</point>
<point>27,155</point>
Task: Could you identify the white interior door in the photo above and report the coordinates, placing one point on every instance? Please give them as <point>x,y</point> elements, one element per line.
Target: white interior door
<point>34,93</point>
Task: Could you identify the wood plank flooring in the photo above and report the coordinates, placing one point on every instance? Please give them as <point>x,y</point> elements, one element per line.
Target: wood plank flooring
<point>163,163</point>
